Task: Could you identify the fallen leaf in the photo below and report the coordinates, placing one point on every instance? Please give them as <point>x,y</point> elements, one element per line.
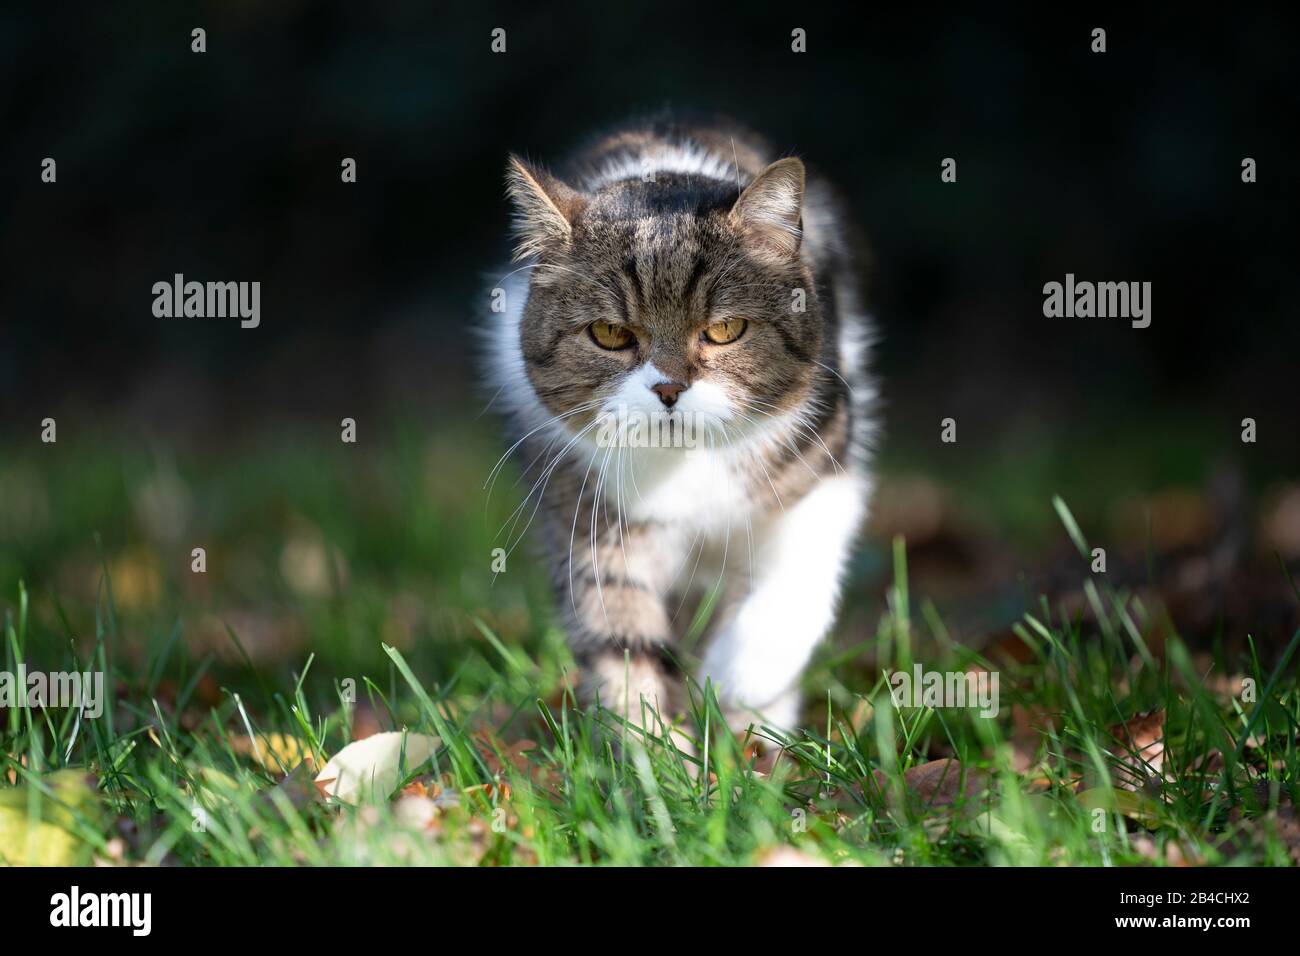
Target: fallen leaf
<point>1141,751</point>
<point>1028,727</point>
<point>216,784</point>
<point>114,852</point>
<point>1251,831</point>
<point>1146,847</point>
<point>1009,648</point>
<point>296,787</point>
<point>500,756</point>
<point>47,838</point>
<point>1136,806</point>
<point>937,783</point>
<point>365,722</point>
<point>1280,522</point>
<point>444,797</point>
<point>1287,825</point>
<point>371,769</point>
<point>274,752</point>
<point>788,856</point>
<point>1212,763</point>
<point>417,812</point>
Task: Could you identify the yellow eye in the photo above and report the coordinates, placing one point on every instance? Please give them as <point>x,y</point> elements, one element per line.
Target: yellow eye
<point>724,333</point>
<point>610,336</point>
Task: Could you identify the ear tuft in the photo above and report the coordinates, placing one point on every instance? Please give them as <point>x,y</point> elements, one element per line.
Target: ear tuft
<point>544,208</point>
<point>770,210</point>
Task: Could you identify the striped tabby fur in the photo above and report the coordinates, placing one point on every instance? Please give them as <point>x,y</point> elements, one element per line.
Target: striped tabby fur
<point>658,232</point>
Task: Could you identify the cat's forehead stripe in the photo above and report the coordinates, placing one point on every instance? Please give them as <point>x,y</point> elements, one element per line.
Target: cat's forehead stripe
<point>658,203</point>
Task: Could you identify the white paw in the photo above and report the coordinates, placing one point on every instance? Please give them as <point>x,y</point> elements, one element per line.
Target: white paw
<point>754,672</point>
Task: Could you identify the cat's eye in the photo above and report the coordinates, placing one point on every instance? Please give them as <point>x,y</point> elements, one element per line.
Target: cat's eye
<point>724,333</point>
<point>610,336</point>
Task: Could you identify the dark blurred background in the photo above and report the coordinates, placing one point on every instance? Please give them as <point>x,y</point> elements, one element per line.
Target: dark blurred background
<point>225,165</point>
<point>1122,166</point>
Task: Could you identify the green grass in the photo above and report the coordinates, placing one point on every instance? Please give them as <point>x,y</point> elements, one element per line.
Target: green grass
<point>331,570</point>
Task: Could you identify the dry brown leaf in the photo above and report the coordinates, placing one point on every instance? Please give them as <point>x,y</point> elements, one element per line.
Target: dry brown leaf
<point>938,783</point>
<point>12,775</point>
<point>1008,648</point>
<point>296,787</point>
<point>365,722</point>
<point>765,757</point>
<point>1140,749</point>
<point>491,790</point>
<point>1287,824</point>
<point>1227,685</point>
<point>419,788</point>
<point>500,756</point>
<point>1028,725</point>
<point>1279,524</point>
<point>1147,848</point>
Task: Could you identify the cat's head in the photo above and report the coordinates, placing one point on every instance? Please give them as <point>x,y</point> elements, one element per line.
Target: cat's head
<point>677,295</point>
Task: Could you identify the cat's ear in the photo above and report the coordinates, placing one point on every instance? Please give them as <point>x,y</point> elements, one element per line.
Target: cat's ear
<point>544,208</point>
<point>770,210</point>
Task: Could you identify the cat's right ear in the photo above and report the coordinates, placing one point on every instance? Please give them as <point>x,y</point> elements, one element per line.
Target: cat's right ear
<point>545,208</point>
<point>769,213</point>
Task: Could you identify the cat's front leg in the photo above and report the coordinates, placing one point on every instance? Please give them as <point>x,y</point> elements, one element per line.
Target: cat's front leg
<point>762,648</point>
<point>619,627</point>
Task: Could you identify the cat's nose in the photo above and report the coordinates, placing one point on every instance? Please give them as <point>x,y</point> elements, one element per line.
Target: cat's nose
<point>668,392</point>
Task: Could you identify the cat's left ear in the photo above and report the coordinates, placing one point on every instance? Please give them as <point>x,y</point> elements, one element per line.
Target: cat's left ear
<point>545,208</point>
<point>770,210</point>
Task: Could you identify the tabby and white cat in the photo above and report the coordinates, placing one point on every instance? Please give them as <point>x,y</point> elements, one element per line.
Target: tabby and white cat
<point>677,277</point>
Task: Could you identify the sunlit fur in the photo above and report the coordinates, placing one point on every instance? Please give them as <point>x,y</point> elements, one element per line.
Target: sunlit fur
<point>664,229</point>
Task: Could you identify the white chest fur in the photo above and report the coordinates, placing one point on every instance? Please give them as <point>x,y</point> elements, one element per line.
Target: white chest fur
<point>694,487</point>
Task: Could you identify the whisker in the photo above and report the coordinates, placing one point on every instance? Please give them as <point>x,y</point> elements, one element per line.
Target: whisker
<point>546,472</point>
<point>573,601</point>
<point>802,426</point>
<point>555,419</point>
<point>836,374</point>
<point>782,441</point>
<point>749,524</point>
<point>544,480</point>
<point>595,556</point>
<point>550,443</point>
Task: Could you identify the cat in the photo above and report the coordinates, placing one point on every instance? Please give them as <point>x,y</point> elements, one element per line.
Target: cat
<point>682,361</point>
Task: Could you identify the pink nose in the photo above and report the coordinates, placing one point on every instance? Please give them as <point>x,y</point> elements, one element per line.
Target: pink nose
<point>668,392</point>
